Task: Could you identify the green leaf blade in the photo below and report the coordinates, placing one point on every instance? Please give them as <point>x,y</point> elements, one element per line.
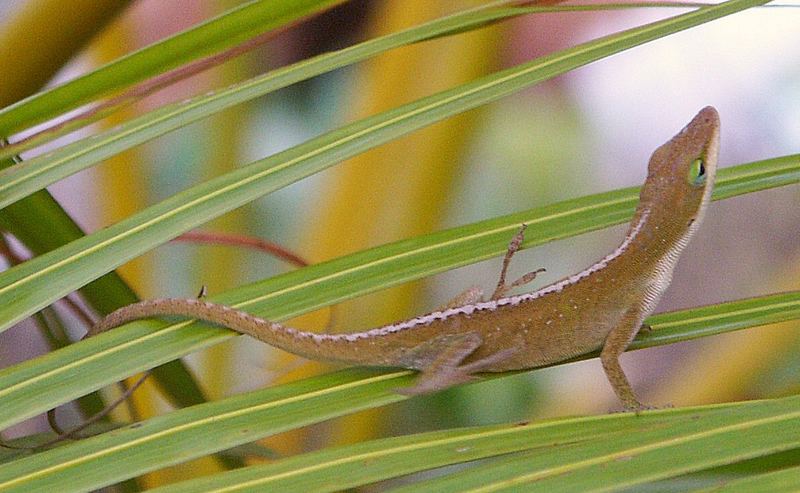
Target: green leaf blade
<point>634,459</point>
<point>127,452</point>
<point>224,31</point>
<point>41,171</point>
<point>580,447</point>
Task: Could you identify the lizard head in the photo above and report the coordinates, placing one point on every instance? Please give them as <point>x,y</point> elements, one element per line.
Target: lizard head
<point>680,175</point>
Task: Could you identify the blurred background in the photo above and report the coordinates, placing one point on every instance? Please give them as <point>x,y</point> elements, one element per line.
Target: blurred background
<point>590,131</point>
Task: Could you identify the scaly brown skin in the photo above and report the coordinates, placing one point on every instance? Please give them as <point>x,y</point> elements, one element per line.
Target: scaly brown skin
<point>601,307</point>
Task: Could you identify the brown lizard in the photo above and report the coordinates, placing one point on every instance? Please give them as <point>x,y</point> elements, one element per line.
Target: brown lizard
<point>602,307</point>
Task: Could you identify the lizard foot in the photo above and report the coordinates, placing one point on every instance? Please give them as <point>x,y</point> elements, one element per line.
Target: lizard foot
<point>638,408</point>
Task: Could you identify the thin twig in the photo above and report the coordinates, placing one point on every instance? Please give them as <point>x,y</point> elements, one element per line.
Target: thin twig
<point>230,239</point>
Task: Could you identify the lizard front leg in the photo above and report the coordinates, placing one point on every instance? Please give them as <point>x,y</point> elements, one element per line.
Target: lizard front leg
<point>615,344</point>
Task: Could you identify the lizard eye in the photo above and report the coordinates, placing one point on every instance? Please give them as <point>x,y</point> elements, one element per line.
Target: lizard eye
<point>697,173</point>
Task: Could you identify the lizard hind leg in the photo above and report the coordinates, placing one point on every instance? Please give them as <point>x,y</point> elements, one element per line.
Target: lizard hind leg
<point>443,356</point>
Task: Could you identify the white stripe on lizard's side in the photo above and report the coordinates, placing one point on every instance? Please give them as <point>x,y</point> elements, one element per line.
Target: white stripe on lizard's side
<point>490,305</point>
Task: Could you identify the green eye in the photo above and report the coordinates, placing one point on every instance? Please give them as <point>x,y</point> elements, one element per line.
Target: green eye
<point>697,173</point>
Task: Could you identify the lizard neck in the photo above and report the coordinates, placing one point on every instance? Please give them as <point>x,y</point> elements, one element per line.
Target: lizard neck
<point>647,257</point>
<point>659,233</point>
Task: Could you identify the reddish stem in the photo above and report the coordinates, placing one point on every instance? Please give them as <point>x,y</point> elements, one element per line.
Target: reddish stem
<point>213,238</point>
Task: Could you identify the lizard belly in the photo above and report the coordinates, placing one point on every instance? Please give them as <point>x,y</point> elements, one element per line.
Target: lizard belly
<point>538,348</point>
<point>539,340</point>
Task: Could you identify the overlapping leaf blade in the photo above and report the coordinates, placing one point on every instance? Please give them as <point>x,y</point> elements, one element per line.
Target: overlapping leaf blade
<point>22,289</point>
<point>83,367</point>
<point>94,463</point>
<point>44,170</point>
<point>668,442</point>
<point>226,30</point>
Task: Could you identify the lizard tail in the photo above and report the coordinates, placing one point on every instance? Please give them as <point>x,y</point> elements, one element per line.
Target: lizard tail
<point>308,344</point>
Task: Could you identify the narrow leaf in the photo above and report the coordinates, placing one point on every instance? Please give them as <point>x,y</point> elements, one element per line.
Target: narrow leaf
<point>27,177</point>
<point>228,29</point>
<point>577,445</point>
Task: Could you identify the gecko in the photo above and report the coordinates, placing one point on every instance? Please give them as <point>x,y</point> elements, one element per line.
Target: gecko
<point>602,307</point>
